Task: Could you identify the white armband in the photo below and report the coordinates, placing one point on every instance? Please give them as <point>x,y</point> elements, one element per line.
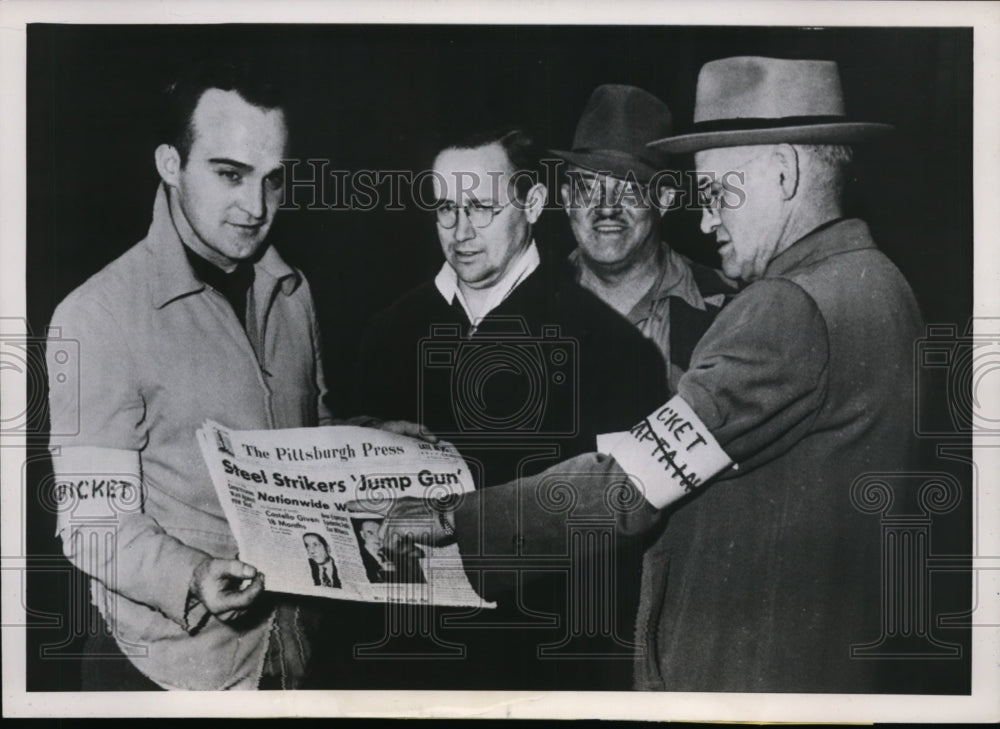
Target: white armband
<point>667,455</point>
<point>92,483</point>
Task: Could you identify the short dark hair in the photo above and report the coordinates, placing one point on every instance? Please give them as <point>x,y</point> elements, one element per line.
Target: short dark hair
<point>181,96</point>
<point>518,144</point>
<point>319,537</point>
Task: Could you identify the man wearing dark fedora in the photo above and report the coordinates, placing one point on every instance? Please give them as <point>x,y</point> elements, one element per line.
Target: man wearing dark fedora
<point>615,195</point>
<point>799,399</point>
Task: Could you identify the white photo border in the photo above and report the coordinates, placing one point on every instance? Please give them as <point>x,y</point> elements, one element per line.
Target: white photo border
<point>982,705</point>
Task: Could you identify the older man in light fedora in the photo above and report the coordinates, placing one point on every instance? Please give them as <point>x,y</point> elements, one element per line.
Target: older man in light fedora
<point>615,194</point>
<point>798,396</point>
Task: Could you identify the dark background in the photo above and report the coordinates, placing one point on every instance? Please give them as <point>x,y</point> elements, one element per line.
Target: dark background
<point>373,97</point>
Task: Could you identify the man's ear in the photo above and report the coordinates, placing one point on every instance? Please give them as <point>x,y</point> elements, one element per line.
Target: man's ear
<point>665,197</point>
<point>787,163</point>
<point>534,201</point>
<point>168,164</point>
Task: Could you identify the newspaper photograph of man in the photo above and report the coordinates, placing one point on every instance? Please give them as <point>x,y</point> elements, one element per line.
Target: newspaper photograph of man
<point>321,565</point>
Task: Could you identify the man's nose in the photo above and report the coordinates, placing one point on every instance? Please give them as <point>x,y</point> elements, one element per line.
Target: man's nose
<point>464,229</point>
<point>608,202</point>
<point>710,219</point>
<point>253,200</point>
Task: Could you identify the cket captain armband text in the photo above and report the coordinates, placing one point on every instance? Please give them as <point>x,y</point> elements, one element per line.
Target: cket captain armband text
<point>668,454</point>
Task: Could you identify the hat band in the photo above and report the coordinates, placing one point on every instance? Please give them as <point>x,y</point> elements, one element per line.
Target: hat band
<point>741,124</point>
<point>620,154</point>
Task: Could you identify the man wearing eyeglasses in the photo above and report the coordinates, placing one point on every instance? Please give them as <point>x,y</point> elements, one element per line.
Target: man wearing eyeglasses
<point>504,355</point>
<point>615,194</point>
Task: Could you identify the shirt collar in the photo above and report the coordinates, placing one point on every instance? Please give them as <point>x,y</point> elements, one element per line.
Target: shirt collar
<point>174,276</point>
<point>834,236</point>
<point>447,283</point>
<point>236,280</point>
<point>675,278</point>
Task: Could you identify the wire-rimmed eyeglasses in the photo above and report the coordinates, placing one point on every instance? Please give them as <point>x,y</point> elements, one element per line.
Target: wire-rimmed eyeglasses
<point>479,215</point>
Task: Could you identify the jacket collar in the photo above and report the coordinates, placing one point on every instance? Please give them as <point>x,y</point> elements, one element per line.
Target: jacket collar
<point>446,283</point>
<point>835,236</point>
<point>174,277</point>
<point>673,279</point>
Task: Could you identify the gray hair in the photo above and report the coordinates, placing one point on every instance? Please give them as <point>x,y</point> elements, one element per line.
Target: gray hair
<point>830,165</point>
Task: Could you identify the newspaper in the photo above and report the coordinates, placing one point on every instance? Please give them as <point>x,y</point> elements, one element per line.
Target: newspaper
<point>286,493</point>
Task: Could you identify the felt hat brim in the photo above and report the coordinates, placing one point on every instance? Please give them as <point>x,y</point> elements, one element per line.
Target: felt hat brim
<point>618,164</point>
<point>829,133</point>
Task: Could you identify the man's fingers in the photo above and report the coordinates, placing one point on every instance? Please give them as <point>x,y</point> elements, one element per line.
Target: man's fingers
<point>427,435</point>
<point>229,615</point>
<point>397,540</point>
<point>403,530</point>
<point>405,427</point>
<point>399,427</point>
<point>409,508</point>
<point>221,588</point>
<point>390,536</point>
<point>232,568</point>
<point>238,599</point>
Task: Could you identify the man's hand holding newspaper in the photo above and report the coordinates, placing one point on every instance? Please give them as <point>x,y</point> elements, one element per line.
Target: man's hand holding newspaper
<point>413,521</point>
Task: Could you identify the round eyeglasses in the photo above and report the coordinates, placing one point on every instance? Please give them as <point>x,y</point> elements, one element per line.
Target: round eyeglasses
<point>478,214</point>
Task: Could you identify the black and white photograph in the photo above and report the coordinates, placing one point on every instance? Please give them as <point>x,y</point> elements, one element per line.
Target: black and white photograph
<point>708,308</point>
